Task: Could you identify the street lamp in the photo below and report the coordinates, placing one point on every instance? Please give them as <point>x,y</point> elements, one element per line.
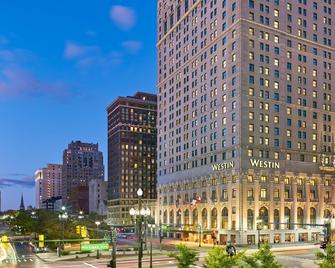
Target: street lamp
<point>151,226</point>
<point>259,223</point>
<point>62,217</point>
<point>199,234</point>
<point>81,215</point>
<point>97,223</point>
<point>141,212</point>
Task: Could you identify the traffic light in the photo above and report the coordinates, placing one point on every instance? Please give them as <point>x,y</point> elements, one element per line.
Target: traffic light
<point>4,241</point>
<point>83,231</point>
<point>41,241</point>
<point>78,229</point>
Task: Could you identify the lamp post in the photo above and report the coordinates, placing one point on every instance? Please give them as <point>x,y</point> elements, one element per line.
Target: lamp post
<point>62,217</point>
<point>97,223</point>
<point>151,226</point>
<point>141,212</point>
<point>200,234</point>
<point>259,228</point>
<point>81,215</point>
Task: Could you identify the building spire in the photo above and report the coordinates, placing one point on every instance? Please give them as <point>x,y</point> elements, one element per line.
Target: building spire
<point>22,203</point>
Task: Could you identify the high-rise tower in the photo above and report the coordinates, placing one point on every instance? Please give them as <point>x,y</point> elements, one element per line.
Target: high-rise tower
<point>82,162</point>
<point>132,140</point>
<point>245,117</point>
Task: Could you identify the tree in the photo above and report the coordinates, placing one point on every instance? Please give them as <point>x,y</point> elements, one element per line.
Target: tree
<point>185,256</point>
<point>265,258</point>
<point>218,258</point>
<point>327,259</point>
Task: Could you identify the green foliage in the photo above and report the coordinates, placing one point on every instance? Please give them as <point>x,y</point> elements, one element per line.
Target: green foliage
<point>265,258</point>
<point>185,256</point>
<point>218,258</point>
<point>327,259</point>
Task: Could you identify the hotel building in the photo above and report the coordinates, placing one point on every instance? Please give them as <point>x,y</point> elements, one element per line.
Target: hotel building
<point>132,145</point>
<point>246,119</point>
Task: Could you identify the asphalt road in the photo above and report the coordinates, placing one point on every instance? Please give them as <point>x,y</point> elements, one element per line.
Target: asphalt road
<point>25,258</point>
<point>297,258</point>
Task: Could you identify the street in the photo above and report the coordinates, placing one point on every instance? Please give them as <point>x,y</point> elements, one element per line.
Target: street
<point>24,257</point>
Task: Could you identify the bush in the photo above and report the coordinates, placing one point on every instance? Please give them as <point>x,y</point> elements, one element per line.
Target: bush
<point>185,256</point>
<point>327,259</point>
<point>218,258</point>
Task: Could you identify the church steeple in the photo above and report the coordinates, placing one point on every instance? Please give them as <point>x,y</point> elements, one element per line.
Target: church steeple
<point>22,203</point>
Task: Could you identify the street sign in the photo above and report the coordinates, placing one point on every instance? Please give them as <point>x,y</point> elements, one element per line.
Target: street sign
<point>89,247</point>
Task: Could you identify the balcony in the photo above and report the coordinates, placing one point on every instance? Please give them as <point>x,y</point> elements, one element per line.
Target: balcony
<point>224,199</point>
<point>290,199</point>
<point>250,198</point>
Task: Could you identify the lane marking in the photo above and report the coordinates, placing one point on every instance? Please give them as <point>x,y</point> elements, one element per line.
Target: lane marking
<point>90,265</point>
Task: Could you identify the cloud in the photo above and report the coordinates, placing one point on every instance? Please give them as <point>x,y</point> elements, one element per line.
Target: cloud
<point>132,46</point>
<point>123,16</point>
<point>17,82</point>
<point>74,50</point>
<point>90,56</point>
<point>26,181</point>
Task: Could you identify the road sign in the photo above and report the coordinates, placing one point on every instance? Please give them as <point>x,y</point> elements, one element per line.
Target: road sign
<point>89,247</point>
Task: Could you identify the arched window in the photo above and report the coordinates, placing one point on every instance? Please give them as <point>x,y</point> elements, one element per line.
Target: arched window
<point>312,215</point>
<point>326,213</point>
<point>204,218</point>
<point>287,215</point>
<point>300,217</point>
<point>171,217</point>
<point>250,219</point>
<point>264,216</point>
<point>276,219</point>
<point>224,223</point>
<point>187,217</point>
<point>214,218</point>
<point>195,217</point>
<point>165,217</point>
<point>178,217</point>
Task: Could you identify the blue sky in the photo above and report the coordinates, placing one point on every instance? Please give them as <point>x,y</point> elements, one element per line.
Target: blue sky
<point>61,63</point>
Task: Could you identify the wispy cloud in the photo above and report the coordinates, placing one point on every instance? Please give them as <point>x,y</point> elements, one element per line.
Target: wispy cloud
<point>123,16</point>
<point>132,46</point>
<point>86,56</point>
<point>16,82</point>
<point>74,50</point>
<point>26,181</point>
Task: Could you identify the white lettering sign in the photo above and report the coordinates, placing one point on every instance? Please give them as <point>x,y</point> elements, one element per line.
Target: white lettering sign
<point>222,166</point>
<point>264,163</point>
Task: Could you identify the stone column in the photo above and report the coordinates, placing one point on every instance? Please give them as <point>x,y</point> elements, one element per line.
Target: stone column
<point>271,206</point>
<point>308,205</point>
<point>282,204</point>
<point>321,205</point>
